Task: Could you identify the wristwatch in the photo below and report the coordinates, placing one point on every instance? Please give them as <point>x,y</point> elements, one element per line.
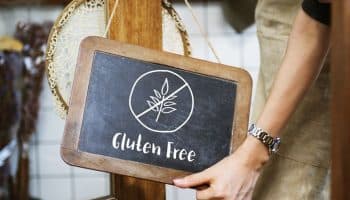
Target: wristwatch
<point>270,142</point>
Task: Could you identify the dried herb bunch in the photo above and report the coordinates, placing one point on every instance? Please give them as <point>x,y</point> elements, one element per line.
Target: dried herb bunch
<point>33,37</point>
<point>10,71</point>
<point>21,77</point>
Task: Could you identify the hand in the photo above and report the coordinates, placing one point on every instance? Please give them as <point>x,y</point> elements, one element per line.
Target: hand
<point>234,177</point>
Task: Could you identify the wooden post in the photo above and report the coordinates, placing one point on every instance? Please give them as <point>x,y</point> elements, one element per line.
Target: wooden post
<point>138,22</point>
<point>340,77</point>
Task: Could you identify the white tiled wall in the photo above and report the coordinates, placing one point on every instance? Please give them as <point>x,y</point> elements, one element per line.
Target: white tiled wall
<point>51,178</point>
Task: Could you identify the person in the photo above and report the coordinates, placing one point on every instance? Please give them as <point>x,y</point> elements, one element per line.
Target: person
<point>300,169</point>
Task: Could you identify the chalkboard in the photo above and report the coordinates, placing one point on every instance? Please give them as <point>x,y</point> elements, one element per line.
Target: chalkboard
<point>152,111</point>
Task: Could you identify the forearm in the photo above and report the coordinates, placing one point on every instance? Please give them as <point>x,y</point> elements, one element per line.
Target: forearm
<point>307,47</point>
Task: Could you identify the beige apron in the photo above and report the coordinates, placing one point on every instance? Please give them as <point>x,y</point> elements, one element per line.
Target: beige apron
<point>300,169</point>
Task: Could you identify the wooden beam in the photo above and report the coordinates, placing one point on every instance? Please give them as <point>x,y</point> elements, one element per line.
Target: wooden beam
<point>340,77</point>
<point>138,22</point>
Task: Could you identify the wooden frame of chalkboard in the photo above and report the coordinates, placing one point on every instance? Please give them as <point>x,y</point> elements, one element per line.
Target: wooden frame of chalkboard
<point>70,151</point>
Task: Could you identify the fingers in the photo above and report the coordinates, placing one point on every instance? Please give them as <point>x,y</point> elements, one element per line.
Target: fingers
<point>192,180</point>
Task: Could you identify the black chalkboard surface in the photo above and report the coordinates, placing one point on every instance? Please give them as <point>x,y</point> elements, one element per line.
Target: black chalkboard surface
<point>195,116</point>
<point>152,114</point>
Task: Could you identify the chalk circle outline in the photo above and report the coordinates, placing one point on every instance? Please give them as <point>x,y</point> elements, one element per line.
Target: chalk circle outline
<point>144,125</point>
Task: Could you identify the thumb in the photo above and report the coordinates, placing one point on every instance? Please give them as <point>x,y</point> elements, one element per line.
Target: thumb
<point>192,180</point>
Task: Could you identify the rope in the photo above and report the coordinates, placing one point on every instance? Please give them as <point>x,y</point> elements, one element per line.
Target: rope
<point>205,36</point>
<point>110,18</point>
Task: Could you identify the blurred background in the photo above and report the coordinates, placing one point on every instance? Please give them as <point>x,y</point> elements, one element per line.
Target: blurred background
<point>233,37</point>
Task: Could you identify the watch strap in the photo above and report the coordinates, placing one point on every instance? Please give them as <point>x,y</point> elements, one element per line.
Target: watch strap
<point>270,142</point>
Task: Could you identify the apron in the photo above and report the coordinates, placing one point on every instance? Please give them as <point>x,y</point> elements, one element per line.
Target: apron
<point>300,170</point>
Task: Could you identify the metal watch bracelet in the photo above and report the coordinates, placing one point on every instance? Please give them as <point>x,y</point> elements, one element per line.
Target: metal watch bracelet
<point>270,142</point>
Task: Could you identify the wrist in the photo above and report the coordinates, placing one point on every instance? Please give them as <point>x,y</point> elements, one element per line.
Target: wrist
<point>256,153</point>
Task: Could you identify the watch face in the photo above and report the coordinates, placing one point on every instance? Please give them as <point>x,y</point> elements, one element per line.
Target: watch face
<point>276,145</point>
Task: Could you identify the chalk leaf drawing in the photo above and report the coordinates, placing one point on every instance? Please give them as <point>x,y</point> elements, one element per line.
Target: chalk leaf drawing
<point>160,103</point>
